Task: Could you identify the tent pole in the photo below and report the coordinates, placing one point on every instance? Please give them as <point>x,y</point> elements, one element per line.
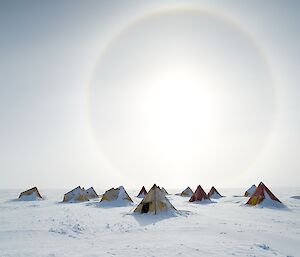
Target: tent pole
<point>155,201</point>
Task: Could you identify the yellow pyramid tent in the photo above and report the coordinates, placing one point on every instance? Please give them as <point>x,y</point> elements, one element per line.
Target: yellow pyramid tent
<point>188,192</point>
<point>30,195</point>
<point>116,194</point>
<point>91,193</point>
<point>154,202</point>
<point>76,195</point>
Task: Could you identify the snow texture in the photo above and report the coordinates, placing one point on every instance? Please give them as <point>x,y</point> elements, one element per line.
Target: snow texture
<point>226,227</point>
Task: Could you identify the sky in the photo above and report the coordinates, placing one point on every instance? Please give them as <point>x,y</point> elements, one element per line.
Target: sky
<point>177,93</point>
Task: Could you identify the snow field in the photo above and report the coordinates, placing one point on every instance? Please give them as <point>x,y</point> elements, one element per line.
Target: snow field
<point>224,227</point>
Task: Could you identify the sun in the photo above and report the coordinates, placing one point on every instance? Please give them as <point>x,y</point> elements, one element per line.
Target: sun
<point>178,104</point>
<point>183,93</point>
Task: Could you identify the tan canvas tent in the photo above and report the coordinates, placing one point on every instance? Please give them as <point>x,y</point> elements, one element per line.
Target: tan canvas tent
<point>142,192</point>
<point>76,195</point>
<point>30,194</point>
<point>91,193</point>
<point>214,194</point>
<point>250,191</point>
<point>116,194</point>
<point>154,202</point>
<point>188,192</point>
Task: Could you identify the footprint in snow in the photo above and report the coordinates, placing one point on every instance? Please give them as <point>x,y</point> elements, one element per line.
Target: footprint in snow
<point>263,246</point>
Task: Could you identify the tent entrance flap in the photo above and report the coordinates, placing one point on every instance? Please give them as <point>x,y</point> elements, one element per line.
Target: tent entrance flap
<point>145,207</point>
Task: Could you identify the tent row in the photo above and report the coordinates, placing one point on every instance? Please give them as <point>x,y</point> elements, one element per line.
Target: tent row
<point>155,200</point>
<point>78,194</point>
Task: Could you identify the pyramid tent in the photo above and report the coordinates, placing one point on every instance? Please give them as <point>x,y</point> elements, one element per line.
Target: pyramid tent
<point>164,191</point>
<point>30,195</point>
<point>91,193</point>
<point>76,195</point>
<point>199,195</point>
<point>188,192</point>
<point>250,191</point>
<point>262,193</point>
<point>213,193</point>
<point>154,202</point>
<point>116,194</point>
<point>142,193</point>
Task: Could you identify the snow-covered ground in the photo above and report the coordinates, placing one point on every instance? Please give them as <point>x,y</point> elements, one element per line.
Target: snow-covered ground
<point>225,227</point>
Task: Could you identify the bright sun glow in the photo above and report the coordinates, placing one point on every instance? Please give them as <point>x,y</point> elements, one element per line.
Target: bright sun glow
<point>180,105</point>
<point>178,100</point>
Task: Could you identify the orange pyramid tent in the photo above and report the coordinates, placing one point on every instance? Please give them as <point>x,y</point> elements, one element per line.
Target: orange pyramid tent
<point>261,193</point>
<point>142,193</point>
<point>213,193</point>
<point>199,195</point>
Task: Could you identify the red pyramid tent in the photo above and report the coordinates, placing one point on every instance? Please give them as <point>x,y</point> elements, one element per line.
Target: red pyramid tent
<point>142,193</point>
<point>213,193</point>
<point>199,195</point>
<point>261,193</point>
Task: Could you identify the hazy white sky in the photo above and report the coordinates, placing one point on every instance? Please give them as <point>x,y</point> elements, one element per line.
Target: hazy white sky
<point>177,93</point>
